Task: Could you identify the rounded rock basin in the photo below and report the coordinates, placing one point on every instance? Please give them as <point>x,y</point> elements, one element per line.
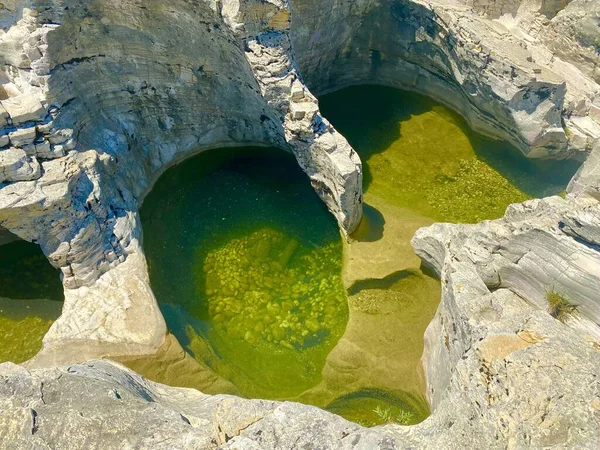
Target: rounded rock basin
<point>246,262</point>
<point>263,298</point>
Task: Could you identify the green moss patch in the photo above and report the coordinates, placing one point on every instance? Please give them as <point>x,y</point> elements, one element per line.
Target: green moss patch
<point>559,306</point>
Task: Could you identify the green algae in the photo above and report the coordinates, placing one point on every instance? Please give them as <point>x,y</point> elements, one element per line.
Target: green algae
<point>420,155</point>
<point>30,300</point>
<point>21,336</point>
<point>245,261</point>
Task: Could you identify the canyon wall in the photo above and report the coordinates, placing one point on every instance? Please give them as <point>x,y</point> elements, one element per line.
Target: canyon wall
<point>504,81</point>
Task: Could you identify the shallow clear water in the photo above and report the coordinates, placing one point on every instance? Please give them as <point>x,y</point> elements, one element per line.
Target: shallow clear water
<point>421,164</point>
<point>249,268</point>
<point>31,297</point>
<point>423,156</point>
<point>245,257</point>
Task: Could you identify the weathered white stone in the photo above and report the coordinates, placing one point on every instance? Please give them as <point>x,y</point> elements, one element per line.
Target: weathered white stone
<point>60,136</point>
<point>16,165</point>
<point>495,77</point>
<point>142,89</point>
<point>100,401</point>
<point>22,136</point>
<point>24,108</point>
<point>4,140</point>
<point>297,91</point>
<point>44,150</point>
<point>331,163</point>
<point>587,179</point>
<point>3,115</point>
<point>45,128</point>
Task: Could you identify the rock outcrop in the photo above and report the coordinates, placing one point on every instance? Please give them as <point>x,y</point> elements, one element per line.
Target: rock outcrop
<point>98,99</point>
<point>501,77</point>
<point>504,392</point>
<point>495,333</point>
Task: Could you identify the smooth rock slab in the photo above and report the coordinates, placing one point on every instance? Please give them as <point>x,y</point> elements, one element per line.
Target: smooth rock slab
<point>24,108</point>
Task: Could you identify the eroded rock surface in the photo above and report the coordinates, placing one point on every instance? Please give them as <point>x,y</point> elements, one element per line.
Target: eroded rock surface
<point>494,332</point>
<point>499,74</point>
<point>98,98</point>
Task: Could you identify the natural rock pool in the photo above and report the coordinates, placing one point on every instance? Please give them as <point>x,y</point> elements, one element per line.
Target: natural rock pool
<point>255,284</point>
<point>246,263</point>
<point>419,154</point>
<point>31,297</point>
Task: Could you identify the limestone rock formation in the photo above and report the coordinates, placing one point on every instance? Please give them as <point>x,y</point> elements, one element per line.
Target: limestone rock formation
<point>499,74</point>
<point>98,98</point>
<point>494,330</point>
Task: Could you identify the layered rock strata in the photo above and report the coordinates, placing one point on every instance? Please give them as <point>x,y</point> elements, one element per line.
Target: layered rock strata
<point>508,81</point>
<point>98,100</point>
<point>331,163</point>
<point>494,344</point>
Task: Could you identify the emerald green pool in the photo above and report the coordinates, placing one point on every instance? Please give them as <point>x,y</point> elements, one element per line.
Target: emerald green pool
<point>245,257</point>
<point>249,268</point>
<point>421,155</point>
<point>31,297</point>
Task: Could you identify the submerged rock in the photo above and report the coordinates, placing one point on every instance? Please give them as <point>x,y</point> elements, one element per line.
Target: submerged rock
<point>253,295</point>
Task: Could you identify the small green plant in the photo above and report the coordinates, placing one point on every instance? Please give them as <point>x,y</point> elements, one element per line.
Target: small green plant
<point>404,418</point>
<point>597,46</point>
<point>559,307</point>
<point>386,416</point>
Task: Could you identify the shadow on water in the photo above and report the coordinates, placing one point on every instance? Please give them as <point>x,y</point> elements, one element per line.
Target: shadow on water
<point>371,407</point>
<point>220,196</point>
<point>371,225</point>
<point>31,297</point>
<point>26,274</point>
<point>384,283</point>
<point>364,115</point>
<point>246,263</point>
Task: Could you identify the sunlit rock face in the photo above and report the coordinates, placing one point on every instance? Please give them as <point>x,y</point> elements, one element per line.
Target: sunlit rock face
<point>98,99</point>
<point>496,74</point>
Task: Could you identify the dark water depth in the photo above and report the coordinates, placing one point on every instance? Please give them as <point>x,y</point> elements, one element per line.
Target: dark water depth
<point>31,297</point>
